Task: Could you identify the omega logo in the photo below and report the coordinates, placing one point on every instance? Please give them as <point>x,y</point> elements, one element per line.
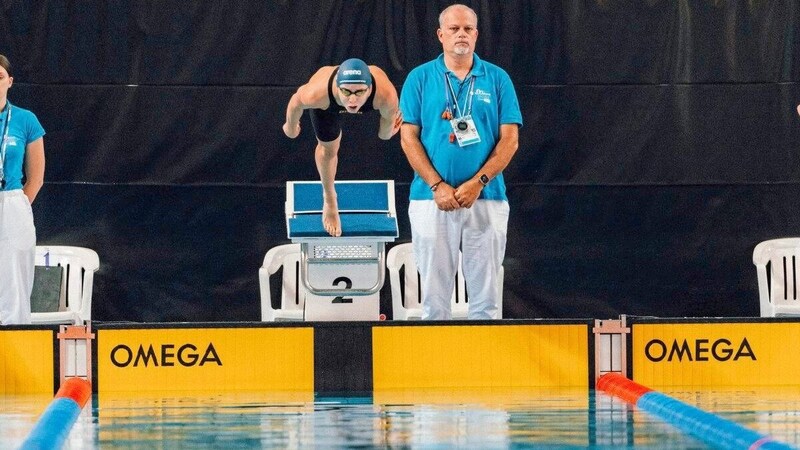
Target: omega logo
<point>700,350</point>
<point>187,356</point>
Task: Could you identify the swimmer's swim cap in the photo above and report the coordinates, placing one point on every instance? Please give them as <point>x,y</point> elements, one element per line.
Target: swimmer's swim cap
<point>353,71</point>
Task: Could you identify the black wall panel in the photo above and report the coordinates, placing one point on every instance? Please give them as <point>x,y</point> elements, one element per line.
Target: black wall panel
<point>659,147</point>
<point>281,42</point>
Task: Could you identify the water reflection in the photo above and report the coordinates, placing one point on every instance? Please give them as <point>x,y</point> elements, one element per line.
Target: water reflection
<point>428,419</point>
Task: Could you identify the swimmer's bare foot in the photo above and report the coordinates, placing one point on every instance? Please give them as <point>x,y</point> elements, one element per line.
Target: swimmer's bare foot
<point>330,217</point>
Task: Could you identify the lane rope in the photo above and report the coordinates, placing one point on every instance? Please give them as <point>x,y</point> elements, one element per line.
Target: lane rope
<point>705,426</point>
<point>53,427</point>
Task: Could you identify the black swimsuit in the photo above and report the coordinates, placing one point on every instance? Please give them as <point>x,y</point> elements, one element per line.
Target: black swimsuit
<point>326,122</point>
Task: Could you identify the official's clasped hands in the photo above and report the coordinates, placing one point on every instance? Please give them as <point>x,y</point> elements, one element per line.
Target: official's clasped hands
<point>448,198</point>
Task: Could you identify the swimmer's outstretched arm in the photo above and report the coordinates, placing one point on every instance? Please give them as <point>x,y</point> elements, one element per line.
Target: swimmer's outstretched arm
<point>293,113</point>
<point>308,96</point>
<point>387,103</point>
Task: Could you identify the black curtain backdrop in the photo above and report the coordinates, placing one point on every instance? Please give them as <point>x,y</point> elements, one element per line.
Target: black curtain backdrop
<point>660,142</point>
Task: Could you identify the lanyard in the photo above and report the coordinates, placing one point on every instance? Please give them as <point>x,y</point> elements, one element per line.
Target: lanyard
<point>6,127</point>
<point>461,112</point>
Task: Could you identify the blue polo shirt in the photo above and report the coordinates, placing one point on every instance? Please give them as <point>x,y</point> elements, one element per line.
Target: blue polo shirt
<point>424,99</point>
<point>23,129</point>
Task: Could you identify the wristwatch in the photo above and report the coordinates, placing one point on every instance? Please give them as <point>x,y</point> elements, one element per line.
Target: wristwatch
<point>484,180</point>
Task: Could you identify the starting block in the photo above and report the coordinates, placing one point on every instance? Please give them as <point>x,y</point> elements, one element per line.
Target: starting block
<point>343,274</point>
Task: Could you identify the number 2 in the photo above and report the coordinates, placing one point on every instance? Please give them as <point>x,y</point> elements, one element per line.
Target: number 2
<point>347,285</point>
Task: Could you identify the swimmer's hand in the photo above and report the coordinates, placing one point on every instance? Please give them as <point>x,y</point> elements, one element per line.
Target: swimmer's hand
<point>291,131</point>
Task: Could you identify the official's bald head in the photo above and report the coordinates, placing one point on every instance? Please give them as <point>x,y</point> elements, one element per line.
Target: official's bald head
<point>456,7</point>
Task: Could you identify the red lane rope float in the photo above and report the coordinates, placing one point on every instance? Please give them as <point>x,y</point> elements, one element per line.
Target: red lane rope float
<point>619,386</point>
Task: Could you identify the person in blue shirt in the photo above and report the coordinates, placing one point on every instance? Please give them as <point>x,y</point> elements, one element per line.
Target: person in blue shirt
<point>461,120</point>
<point>21,177</point>
<point>353,87</point>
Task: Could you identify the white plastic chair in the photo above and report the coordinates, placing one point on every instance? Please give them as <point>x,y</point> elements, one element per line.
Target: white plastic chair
<point>75,299</point>
<point>293,291</point>
<point>407,301</point>
<point>778,264</point>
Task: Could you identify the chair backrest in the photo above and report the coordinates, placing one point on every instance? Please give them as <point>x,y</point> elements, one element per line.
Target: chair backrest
<point>406,293</point>
<point>778,266</point>
<point>75,297</point>
<point>293,291</point>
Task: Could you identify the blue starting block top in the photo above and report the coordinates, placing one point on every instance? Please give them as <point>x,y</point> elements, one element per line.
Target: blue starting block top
<point>352,197</point>
<point>366,209</point>
<point>353,225</point>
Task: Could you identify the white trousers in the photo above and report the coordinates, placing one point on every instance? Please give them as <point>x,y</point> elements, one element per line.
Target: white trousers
<point>17,253</point>
<point>480,233</point>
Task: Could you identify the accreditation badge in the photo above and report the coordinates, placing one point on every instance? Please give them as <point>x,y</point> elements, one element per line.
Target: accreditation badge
<point>465,131</point>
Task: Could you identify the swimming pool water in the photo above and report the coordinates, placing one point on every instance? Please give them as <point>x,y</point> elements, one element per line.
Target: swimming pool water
<point>429,420</point>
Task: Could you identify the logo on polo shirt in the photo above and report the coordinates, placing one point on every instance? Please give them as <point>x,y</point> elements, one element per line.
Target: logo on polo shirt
<point>483,96</point>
